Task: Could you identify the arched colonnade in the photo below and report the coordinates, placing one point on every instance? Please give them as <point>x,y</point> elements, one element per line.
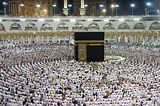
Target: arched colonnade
<point>46,37</point>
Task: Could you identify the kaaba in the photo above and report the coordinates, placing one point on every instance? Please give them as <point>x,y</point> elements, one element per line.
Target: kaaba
<point>89,46</point>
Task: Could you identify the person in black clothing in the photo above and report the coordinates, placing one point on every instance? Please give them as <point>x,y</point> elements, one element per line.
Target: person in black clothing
<point>24,102</point>
<point>59,104</point>
<point>32,100</point>
<point>141,104</point>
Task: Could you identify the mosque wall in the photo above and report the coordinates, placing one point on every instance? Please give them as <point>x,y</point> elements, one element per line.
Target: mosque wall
<point>39,30</point>
<point>118,26</point>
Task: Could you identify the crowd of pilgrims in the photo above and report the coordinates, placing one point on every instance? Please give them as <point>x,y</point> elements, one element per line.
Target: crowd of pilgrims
<point>47,75</point>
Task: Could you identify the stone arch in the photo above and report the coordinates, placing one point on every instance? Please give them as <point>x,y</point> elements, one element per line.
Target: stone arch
<point>78,26</point>
<point>93,26</point>
<point>155,26</point>
<point>62,37</point>
<point>46,26</point>
<point>31,26</point>
<point>15,26</point>
<point>2,28</point>
<point>67,37</point>
<point>108,25</point>
<point>123,26</point>
<point>139,26</point>
<point>55,36</point>
<point>62,26</point>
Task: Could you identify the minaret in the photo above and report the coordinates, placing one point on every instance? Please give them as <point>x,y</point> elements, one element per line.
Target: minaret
<point>82,3</point>
<point>82,9</point>
<point>65,9</point>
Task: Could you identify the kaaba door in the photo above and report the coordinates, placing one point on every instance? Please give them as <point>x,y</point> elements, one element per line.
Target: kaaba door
<point>82,52</point>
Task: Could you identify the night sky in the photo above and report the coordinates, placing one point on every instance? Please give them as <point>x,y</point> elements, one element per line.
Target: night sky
<point>1,4</point>
<point>124,6</point>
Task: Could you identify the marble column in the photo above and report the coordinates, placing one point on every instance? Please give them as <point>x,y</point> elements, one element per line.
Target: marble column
<point>126,38</point>
<point>157,37</point>
<point>132,39</point>
<point>152,39</point>
<point>70,38</point>
<point>42,39</point>
<point>37,39</point>
<point>18,40</point>
<point>135,39</point>
<point>48,39</point>
<point>138,39</point>
<point>29,40</point>
<point>52,39</point>
<point>23,40</point>
<point>12,41</point>
<point>59,39</point>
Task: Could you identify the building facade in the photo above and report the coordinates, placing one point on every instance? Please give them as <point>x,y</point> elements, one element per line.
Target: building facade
<point>1,12</point>
<point>29,8</point>
<point>13,7</point>
<point>157,4</point>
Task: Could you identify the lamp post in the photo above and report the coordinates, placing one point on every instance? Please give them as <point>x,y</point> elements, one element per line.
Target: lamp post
<point>38,8</point>
<point>69,5</point>
<point>4,3</point>
<point>116,6</point>
<point>45,12</point>
<point>54,5</point>
<point>22,5</point>
<point>112,6</point>
<point>101,6</point>
<point>158,12</point>
<point>148,4</point>
<point>132,5</point>
<point>85,6</point>
<point>104,10</point>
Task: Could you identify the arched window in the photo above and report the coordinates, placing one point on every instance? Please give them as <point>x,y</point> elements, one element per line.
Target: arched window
<point>62,26</point>
<point>78,26</point>
<point>62,37</point>
<point>15,26</point>
<point>46,26</point>
<point>124,26</point>
<point>93,26</point>
<point>2,28</point>
<point>31,26</point>
<point>155,26</point>
<point>67,37</point>
<point>139,26</point>
<point>108,26</point>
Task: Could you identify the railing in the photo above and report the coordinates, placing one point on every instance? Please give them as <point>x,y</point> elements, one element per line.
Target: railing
<point>127,16</point>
